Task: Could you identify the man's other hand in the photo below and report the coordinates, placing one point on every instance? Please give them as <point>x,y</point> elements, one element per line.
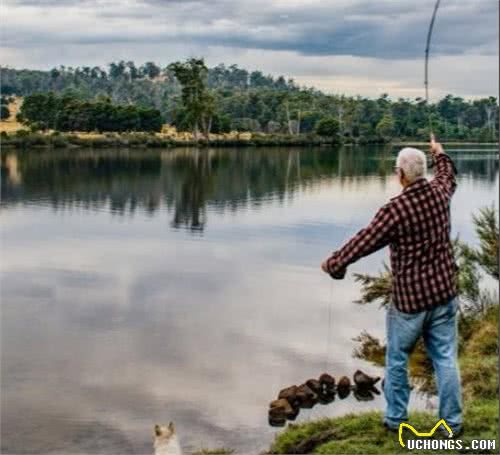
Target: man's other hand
<point>337,275</point>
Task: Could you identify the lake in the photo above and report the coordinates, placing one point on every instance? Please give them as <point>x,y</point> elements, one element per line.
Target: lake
<point>140,287</point>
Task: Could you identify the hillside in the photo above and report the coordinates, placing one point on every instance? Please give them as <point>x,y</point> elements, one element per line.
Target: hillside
<point>249,101</point>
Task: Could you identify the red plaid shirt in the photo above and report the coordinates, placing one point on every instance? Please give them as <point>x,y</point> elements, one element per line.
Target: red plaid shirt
<point>416,225</point>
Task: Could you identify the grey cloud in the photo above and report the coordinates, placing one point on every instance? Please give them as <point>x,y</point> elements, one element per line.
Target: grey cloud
<point>357,47</point>
<point>393,32</point>
<point>385,29</point>
<point>49,3</point>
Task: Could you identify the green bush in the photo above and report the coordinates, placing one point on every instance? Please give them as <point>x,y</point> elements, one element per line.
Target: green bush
<point>327,127</point>
<point>4,112</point>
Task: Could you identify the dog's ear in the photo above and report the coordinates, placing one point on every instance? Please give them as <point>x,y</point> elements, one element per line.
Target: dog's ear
<point>157,430</point>
<point>171,427</point>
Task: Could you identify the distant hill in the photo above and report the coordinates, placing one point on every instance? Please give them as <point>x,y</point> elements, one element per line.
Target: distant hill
<point>148,85</point>
<point>252,101</point>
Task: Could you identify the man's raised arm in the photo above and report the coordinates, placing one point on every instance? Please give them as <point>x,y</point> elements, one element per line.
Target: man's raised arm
<point>444,176</point>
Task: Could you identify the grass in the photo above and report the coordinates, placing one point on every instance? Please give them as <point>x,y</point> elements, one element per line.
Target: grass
<point>23,138</point>
<point>452,142</point>
<point>18,136</point>
<point>479,359</point>
<point>364,433</point>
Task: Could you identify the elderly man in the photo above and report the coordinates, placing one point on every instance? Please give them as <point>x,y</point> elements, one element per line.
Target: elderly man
<point>416,226</point>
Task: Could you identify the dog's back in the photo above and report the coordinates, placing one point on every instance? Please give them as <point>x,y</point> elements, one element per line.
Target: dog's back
<point>166,441</point>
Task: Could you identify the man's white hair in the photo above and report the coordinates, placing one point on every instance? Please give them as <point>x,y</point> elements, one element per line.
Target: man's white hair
<point>413,163</point>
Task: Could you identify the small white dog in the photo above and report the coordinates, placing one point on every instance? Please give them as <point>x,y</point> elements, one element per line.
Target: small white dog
<point>166,441</point>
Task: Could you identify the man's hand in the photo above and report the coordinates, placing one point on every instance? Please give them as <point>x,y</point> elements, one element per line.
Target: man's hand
<point>337,276</point>
<point>436,147</point>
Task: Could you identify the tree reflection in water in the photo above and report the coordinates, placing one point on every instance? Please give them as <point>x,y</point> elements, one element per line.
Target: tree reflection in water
<point>191,182</point>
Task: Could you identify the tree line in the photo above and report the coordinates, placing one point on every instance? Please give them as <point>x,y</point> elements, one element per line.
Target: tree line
<point>69,113</point>
<point>196,98</point>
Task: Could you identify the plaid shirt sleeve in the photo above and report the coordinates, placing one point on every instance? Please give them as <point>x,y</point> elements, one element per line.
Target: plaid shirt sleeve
<point>375,236</point>
<point>444,178</point>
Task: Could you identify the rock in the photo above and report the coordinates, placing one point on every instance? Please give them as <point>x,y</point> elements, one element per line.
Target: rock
<point>362,380</point>
<point>277,412</point>
<point>304,389</point>
<point>327,393</point>
<point>306,397</point>
<point>326,398</point>
<point>314,385</point>
<point>281,410</point>
<point>327,382</point>
<point>277,416</point>
<point>277,421</point>
<point>288,391</point>
<point>363,394</point>
<point>322,390</point>
<point>374,390</point>
<point>293,414</point>
<point>290,394</point>
<point>344,387</point>
<point>282,407</point>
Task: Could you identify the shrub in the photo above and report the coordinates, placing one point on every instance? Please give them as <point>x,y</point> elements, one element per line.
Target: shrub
<point>4,112</point>
<point>327,127</point>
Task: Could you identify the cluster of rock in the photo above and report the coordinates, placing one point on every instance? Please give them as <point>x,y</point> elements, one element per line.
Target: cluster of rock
<point>323,390</point>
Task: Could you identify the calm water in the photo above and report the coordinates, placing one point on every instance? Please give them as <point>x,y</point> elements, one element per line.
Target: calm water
<point>148,286</point>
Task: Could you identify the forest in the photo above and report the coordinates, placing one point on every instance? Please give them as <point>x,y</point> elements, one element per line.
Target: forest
<point>193,97</point>
<point>69,113</point>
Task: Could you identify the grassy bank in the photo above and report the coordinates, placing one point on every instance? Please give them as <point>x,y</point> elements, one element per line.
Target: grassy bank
<point>364,434</point>
<point>449,143</point>
<point>22,140</point>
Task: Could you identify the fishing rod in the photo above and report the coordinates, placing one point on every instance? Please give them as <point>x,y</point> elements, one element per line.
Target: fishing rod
<point>426,84</point>
<point>427,48</point>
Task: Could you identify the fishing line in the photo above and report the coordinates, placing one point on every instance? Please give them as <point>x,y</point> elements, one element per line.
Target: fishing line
<point>427,48</point>
<point>329,333</point>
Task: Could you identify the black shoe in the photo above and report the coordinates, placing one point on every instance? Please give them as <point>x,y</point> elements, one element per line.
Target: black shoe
<point>390,429</point>
<point>443,433</point>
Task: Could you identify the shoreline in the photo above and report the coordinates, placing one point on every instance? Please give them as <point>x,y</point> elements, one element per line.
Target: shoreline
<point>151,141</point>
<point>451,143</point>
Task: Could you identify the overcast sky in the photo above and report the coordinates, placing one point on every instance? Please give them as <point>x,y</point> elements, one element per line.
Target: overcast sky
<point>362,47</point>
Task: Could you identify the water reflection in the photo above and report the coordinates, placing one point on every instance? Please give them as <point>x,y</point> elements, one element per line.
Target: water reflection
<point>186,182</point>
<point>142,287</point>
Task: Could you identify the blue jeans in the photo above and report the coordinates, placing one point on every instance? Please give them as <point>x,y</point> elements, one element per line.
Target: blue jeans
<point>439,330</point>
